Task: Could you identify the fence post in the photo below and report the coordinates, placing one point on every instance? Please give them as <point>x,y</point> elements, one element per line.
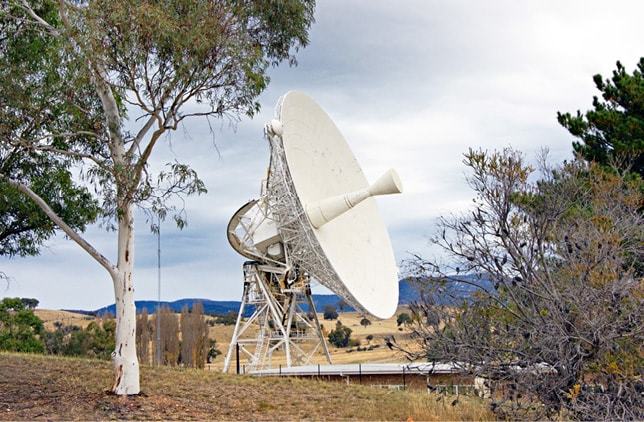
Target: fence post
<point>318,371</point>
<point>360,372</point>
<point>404,381</point>
<point>280,369</point>
<point>237,355</point>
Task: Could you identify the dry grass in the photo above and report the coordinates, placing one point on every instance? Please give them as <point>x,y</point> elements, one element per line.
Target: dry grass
<point>49,317</point>
<point>378,329</point>
<point>45,387</point>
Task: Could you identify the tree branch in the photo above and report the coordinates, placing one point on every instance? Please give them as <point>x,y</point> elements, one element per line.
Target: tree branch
<point>73,154</point>
<point>144,130</point>
<point>38,19</point>
<point>73,234</point>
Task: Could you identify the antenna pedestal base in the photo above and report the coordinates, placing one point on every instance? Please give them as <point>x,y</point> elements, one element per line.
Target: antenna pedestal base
<point>278,331</point>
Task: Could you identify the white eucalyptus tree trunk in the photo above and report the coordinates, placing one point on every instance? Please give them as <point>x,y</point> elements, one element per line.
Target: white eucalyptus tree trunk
<point>126,364</point>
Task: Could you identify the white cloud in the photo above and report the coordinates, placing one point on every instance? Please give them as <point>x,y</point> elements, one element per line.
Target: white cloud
<point>411,85</point>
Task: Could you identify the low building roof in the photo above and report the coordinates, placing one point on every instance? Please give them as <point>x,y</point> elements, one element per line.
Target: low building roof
<point>423,368</point>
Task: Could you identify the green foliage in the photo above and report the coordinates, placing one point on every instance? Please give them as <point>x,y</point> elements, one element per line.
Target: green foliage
<point>213,351</point>
<point>612,133</point>
<point>229,318</point>
<point>162,56</point>
<point>95,341</point>
<point>33,89</point>
<point>341,336</point>
<point>23,225</point>
<point>30,303</point>
<point>20,329</point>
<point>71,71</point>
<point>558,309</point>
<point>330,312</point>
<point>403,318</point>
<point>365,322</point>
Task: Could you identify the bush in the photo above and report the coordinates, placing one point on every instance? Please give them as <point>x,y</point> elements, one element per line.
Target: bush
<point>213,352</point>
<point>557,317</point>
<point>330,312</point>
<point>97,340</point>
<point>341,336</point>
<point>20,329</point>
<point>403,318</point>
<point>227,319</point>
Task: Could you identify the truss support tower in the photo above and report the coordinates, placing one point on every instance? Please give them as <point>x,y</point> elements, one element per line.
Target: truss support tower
<point>278,321</point>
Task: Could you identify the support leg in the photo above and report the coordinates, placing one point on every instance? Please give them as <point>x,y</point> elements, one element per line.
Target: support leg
<point>317,324</point>
<point>234,339</point>
<point>287,334</point>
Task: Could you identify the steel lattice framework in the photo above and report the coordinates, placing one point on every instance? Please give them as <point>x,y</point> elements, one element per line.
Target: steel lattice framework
<point>302,248</point>
<point>281,322</point>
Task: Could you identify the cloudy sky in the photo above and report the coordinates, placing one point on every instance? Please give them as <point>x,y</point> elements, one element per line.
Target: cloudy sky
<point>412,85</point>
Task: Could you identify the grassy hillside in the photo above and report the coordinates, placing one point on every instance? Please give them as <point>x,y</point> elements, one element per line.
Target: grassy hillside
<point>222,333</point>
<point>49,317</point>
<point>45,387</point>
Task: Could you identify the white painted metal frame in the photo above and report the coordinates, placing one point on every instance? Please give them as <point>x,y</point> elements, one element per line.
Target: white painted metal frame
<point>276,310</point>
<point>294,227</point>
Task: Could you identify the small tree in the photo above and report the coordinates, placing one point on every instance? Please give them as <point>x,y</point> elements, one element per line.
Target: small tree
<point>194,336</point>
<point>558,321</point>
<point>341,336</point>
<point>20,329</point>
<point>100,337</point>
<point>330,312</point>
<point>169,336</point>
<point>365,322</point>
<point>403,319</point>
<point>213,351</point>
<point>30,303</point>
<point>342,305</point>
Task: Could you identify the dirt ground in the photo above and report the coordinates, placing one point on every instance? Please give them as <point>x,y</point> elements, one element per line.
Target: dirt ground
<point>55,388</point>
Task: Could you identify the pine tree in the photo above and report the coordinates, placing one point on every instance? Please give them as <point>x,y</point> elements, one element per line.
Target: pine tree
<point>612,133</point>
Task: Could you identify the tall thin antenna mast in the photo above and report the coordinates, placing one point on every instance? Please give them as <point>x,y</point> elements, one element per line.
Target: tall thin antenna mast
<point>158,351</point>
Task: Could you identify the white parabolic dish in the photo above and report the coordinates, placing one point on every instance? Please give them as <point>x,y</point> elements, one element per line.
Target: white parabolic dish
<point>356,243</point>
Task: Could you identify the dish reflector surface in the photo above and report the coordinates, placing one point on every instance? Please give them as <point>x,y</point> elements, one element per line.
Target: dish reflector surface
<point>355,244</point>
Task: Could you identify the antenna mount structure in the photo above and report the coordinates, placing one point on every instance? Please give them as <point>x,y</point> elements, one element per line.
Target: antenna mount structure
<point>315,221</point>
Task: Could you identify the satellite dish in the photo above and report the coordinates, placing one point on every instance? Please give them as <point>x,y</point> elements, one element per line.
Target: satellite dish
<point>350,249</point>
<point>316,218</point>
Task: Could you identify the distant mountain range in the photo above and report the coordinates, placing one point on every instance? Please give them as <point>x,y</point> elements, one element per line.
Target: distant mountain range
<point>408,293</point>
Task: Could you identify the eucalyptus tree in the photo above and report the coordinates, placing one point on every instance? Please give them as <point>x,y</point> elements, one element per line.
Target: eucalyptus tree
<point>153,65</point>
